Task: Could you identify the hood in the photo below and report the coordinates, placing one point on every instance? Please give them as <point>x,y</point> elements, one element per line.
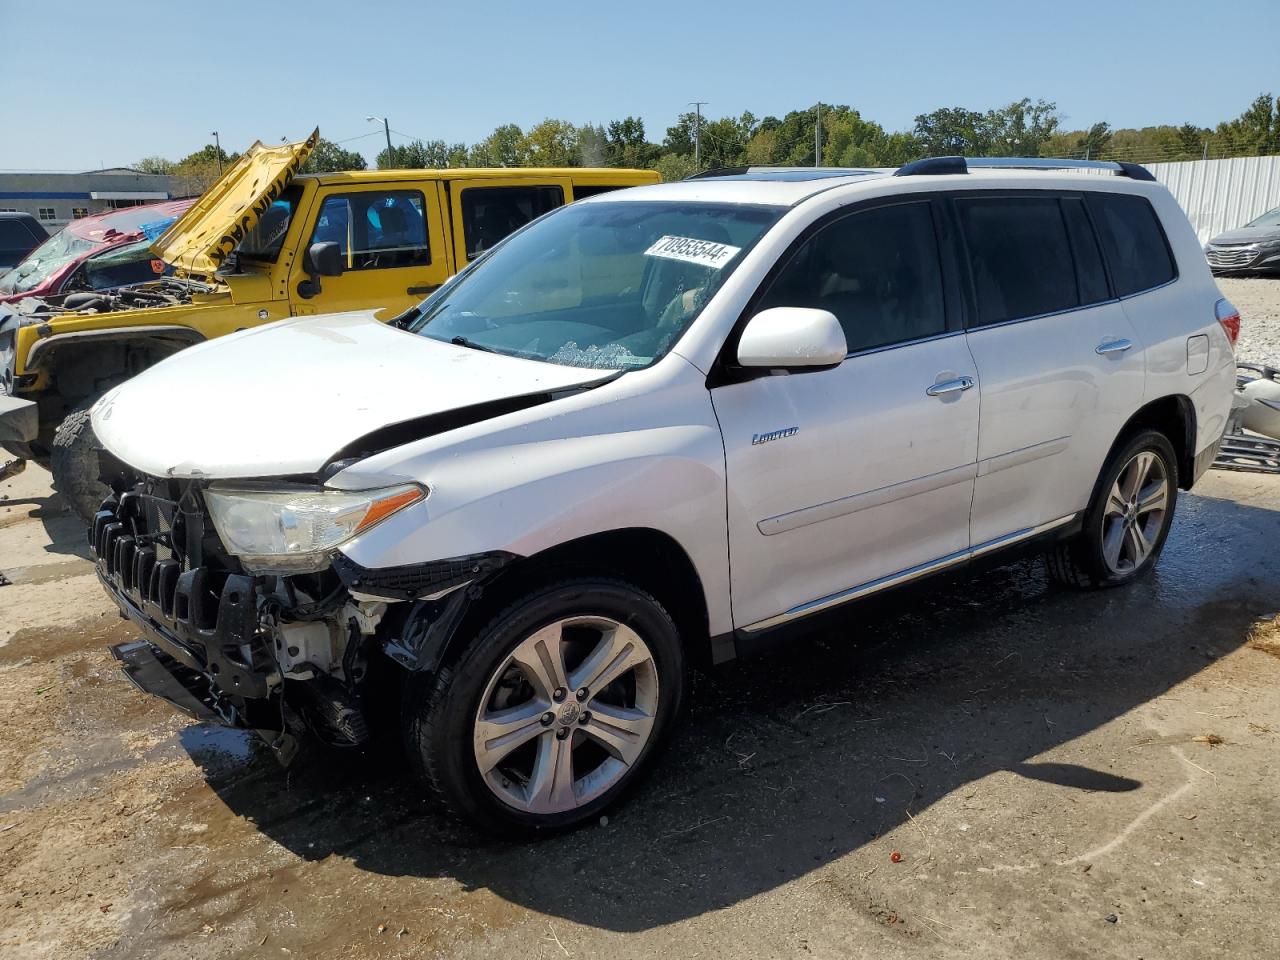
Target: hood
<point>284,399</point>
<point>1246,235</point>
<point>199,241</point>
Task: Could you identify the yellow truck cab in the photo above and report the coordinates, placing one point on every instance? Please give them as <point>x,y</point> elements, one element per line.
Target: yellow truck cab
<point>263,243</point>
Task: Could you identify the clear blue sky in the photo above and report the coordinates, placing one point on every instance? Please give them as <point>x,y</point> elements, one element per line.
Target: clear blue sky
<point>90,82</point>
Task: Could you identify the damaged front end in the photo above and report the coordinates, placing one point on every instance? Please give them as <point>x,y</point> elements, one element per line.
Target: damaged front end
<point>283,654</point>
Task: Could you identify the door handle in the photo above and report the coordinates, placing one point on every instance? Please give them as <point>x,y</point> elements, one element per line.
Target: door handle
<point>1113,346</point>
<point>422,291</point>
<point>948,387</point>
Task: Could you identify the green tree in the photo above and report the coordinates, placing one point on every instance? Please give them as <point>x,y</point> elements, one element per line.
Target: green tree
<point>198,171</point>
<point>679,138</point>
<point>1021,128</point>
<point>505,147</point>
<point>675,166</point>
<point>328,157</point>
<point>552,143</point>
<point>154,165</point>
<point>1256,132</point>
<point>593,148</point>
<point>626,144</point>
<point>952,131</point>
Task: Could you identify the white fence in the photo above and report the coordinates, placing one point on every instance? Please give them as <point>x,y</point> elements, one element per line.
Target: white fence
<point>1221,195</point>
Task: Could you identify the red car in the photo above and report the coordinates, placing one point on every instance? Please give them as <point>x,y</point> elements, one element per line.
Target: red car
<point>94,253</point>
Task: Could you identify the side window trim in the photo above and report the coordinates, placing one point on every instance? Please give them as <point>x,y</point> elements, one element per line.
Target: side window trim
<point>1102,252</point>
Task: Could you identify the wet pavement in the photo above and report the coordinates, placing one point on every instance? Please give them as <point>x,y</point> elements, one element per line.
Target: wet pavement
<point>1061,774</point>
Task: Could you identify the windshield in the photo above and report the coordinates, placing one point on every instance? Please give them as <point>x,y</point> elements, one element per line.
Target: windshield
<point>1269,219</point>
<point>44,261</point>
<point>264,241</point>
<point>610,285</point>
<point>121,266</point>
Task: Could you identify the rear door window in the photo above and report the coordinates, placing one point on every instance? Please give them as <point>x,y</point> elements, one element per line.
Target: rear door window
<point>491,214</point>
<point>1133,241</point>
<point>1019,256</point>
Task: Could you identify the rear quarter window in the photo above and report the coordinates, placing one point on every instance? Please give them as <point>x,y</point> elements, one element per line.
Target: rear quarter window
<point>1133,241</point>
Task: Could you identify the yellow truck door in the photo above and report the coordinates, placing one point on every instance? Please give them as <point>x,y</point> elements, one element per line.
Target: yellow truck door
<point>485,211</point>
<point>393,248</point>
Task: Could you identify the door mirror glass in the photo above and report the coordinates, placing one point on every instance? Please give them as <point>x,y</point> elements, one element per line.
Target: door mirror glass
<point>786,337</point>
<point>324,259</point>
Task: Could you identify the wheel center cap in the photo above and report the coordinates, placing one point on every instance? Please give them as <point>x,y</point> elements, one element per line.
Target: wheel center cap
<point>568,714</point>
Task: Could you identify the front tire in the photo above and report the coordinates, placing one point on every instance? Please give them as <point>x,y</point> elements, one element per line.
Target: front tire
<point>548,716</point>
<point>1128,521</point>
<point>74,464</point>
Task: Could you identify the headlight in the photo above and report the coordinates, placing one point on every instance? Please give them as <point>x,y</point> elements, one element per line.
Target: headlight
<point>1269,244</point>
<point>295,531</point>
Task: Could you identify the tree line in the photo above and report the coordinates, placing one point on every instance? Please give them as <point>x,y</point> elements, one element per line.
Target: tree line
<point>837,134</point>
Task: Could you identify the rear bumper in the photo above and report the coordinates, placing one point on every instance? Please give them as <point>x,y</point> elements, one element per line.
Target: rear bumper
<point>19,420</point>
<point>1204,460</point>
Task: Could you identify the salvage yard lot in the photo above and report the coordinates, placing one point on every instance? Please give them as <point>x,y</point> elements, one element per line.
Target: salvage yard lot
<point>1062,775</point>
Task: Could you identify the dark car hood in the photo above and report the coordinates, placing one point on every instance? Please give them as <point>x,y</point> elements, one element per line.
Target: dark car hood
<point>1246,235</point>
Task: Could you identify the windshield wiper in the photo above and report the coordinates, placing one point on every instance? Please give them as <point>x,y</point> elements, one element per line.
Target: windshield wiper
<point>464,342</point>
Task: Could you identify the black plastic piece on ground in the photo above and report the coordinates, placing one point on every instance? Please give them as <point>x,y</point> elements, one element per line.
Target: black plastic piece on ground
<point>152,671</point>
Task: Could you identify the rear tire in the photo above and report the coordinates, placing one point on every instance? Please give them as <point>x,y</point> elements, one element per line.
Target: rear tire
<point>74,464</point>
<point>1126,524</point>
<point>478,732</point>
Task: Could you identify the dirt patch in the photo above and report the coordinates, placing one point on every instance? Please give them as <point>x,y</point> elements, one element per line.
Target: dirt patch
<point>1266,637</point>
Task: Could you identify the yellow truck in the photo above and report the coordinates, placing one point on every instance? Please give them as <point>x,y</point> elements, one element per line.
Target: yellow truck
<point>265,242</point>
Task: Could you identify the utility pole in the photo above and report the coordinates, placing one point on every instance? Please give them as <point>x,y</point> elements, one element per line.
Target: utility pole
<point>386,128</point>
<point>697,132</point>
<point>217,148</point>
<point>817,137</point>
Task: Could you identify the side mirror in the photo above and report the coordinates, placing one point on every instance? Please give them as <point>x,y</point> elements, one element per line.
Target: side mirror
<point>790,337</point>
<point>324,260</point>
<point>319,260</point>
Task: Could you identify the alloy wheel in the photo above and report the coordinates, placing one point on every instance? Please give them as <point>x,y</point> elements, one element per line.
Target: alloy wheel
<point>566,714</point>
<point>1135,513</point>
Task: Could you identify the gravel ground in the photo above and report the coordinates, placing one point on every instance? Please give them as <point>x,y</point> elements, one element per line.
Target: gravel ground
<point>1258,300</point>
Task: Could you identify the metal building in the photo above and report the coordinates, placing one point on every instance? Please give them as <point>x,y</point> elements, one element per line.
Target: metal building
<point>1220,195</point>
<point>57,198</point>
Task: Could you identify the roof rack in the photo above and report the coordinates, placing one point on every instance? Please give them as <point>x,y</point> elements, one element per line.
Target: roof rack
<point>940,166</point>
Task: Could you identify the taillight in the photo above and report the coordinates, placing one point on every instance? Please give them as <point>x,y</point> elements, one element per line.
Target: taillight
<point>1229,317</point>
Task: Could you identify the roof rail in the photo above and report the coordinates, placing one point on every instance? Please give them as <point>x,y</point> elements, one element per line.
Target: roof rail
<point>931,166</point>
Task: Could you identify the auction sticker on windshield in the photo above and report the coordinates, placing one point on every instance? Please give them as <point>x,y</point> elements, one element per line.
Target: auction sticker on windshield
<point>706,253</point>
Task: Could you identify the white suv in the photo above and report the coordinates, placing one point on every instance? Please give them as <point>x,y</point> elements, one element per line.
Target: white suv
<point>654,427</point>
